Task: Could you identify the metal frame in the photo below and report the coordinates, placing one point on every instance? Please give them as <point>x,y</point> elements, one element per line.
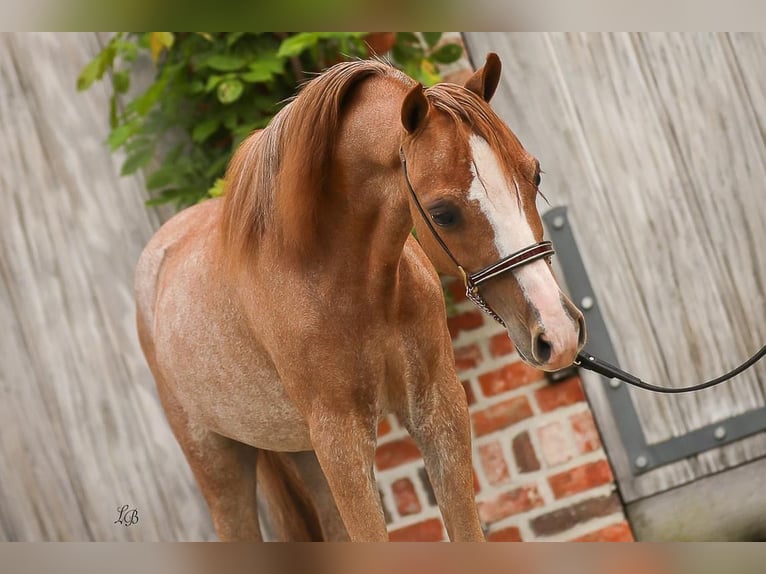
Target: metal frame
<point>642,455</point>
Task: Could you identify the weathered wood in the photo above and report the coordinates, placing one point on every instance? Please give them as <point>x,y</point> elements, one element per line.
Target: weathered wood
<point>656,143</point>
<point>83,431</point>
<point>720,507</point>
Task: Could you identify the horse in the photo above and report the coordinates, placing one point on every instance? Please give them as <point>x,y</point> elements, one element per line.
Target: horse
<point>290,315</point>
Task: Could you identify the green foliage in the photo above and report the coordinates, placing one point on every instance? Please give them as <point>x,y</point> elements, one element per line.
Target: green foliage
<point>211,90</point>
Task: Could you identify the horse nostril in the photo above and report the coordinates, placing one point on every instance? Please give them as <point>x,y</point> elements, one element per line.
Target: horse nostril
<point>581,332</point>
<point>542,349</point>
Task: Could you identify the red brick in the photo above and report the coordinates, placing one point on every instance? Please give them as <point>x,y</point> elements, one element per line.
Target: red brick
<point>510,534</point>
<point>426,531</point>
<point>467,357</point>
<point>464,322</point>
<point>561,394</point>
<point>619,532</point>
<point>384,427</point>
<point>524,453</point>
<point>501,415</point>
<point>508,378</point>
<point>476,485</point>
<point>469,396</point>
<point>584,432</point>
<point>405,497</point>
<point>568,517</point>
<point>397,452</point>
<point>580,478</point>
<point>493,463</point>
<point>500,345</point>
<point>554,443</point>
<point>457,290</point>
<point>510,503</point>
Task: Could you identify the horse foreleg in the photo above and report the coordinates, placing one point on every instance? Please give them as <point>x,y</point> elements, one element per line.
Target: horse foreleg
<point>442,432</point>
<point>345,447</point>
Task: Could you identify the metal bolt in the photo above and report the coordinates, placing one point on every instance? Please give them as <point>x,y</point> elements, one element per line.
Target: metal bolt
<point>587,302</point>
<point>558,222</point>
<point>642,461</point>
<point>614,383</point>
<point>719,433</point>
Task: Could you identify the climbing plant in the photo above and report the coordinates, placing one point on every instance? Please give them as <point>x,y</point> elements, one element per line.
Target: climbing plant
<point>210,90</point>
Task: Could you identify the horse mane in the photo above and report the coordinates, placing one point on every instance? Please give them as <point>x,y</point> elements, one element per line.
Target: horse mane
<point>278,175</point>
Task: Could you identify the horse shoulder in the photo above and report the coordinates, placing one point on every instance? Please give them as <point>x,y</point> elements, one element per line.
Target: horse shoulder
<point>184,234</point>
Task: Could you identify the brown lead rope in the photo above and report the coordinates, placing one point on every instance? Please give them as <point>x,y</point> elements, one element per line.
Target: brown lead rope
<point>539,251</point>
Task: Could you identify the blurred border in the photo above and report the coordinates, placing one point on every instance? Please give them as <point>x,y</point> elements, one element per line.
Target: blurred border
<point>488,15</point>
<point>404,558</point>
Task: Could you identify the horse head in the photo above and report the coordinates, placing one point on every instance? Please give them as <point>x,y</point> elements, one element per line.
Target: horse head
<point>478,185</point>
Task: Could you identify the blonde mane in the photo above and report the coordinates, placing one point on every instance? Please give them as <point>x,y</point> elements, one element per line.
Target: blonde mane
<point>277,177</point>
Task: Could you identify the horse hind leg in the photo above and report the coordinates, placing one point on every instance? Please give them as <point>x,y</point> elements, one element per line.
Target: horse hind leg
<point>225,471</point>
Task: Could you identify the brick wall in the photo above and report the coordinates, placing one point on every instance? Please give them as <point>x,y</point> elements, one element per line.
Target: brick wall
<point>540,472</point>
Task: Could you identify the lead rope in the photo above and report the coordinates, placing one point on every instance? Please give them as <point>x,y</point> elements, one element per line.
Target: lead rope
<point>584,359</point>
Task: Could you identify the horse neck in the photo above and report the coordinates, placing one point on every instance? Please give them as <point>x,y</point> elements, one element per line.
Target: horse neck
<point>367,213</point>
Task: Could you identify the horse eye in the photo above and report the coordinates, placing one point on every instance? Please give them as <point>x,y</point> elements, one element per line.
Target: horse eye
<point>537,179</point>
<point>444,217</point>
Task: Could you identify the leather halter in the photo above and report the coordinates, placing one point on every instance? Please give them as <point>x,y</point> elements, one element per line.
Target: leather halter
<point>543,249</point>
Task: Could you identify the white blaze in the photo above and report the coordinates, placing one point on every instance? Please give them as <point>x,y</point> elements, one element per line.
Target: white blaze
<point>503,208</point>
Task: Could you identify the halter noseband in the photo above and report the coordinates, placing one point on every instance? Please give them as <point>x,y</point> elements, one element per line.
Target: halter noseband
<point>543,249</point>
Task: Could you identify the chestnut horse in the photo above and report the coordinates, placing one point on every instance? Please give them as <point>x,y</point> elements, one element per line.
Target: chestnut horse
<point>294,313</point>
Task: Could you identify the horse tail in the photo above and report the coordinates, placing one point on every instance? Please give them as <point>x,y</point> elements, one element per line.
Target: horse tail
<point>292,514</point>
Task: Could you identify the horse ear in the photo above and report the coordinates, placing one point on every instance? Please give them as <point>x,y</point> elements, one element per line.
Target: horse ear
<point>414,108</point>
<point>484,81</point>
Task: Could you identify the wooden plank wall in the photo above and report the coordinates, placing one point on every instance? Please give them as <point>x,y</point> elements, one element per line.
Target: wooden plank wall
<point>82,429</point>
<point>656,143</point>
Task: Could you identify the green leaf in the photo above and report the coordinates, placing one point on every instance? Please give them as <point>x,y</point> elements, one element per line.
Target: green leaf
<point>94,70</point>
<point>90,73</point>
<point>257,76</point>
<point>225,62</point>
<point>406,38</point>
<point>121,81</point>
<point>137,160</point>
<point>447,54</point>
<point>164,176</point>
<point>427,74</point>
<point>264,69</point>
<point>120,135</point>
<point>432,38</point>
<point>212,82</point>
<point>160,41</point>
<point>205,129</point>
<point>142,104</point>
<point>268,62</point>
<point>218,188</point>
<point>113,111</point>
<point>294,45</point>
<point>229,90</point>
<point>217,168</point>
<point>196,87</point>
<point>232,37</point>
